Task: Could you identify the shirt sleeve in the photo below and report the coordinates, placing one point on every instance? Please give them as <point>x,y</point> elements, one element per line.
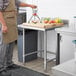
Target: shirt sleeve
<point>18,3</point>
<point>3,4</point>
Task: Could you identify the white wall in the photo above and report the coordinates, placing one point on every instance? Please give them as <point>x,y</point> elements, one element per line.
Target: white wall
<point>61,8</point>
<point>64,9</point>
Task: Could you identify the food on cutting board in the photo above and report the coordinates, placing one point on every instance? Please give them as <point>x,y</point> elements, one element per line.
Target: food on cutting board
<point>58,20</point>
<point>45,20</point>
<point>54,21</point>
<point>48,21</point>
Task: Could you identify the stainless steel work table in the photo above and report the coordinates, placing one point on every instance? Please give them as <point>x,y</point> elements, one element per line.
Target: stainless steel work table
<point>24,27</point>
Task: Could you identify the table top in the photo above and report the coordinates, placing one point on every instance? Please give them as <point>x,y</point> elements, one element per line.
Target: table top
<point>41,26</point>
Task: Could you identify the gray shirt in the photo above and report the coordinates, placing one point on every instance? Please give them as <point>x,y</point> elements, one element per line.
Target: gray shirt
<point>4,4</point>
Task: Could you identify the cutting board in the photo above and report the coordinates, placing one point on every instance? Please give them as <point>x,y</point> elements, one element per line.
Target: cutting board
<point>43,25</point>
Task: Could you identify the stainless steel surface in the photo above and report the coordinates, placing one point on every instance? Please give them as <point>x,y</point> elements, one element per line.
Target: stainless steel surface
<point>45,50</point>
<point>23,45</point>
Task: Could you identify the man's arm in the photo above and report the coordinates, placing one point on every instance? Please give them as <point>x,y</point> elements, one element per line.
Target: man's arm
<point>27,5</point>
<point>4,27</point>
<point>21,4</point>
<point>3,5</point>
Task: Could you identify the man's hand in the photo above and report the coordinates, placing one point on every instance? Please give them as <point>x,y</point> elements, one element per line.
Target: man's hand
<point>4,29</point>
<point>27,5</point>
<point>33,6</point>
<point>4,26</point>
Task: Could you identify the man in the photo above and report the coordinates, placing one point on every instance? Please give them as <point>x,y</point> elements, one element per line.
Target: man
<point>8,17</point>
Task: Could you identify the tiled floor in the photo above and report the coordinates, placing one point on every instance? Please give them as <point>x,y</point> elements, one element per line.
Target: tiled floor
<point>36,65</point>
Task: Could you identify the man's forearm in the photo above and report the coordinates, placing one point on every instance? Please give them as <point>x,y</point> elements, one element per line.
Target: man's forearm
<point>24,5</point>
<point>27,5</point>
<point>2,19</point>
<point>4,26</point>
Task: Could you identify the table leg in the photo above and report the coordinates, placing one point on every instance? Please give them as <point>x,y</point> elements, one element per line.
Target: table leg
<point>23,45</point>
<point>45,50</point>
<point>58,49</point>
<point>41,44</point>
